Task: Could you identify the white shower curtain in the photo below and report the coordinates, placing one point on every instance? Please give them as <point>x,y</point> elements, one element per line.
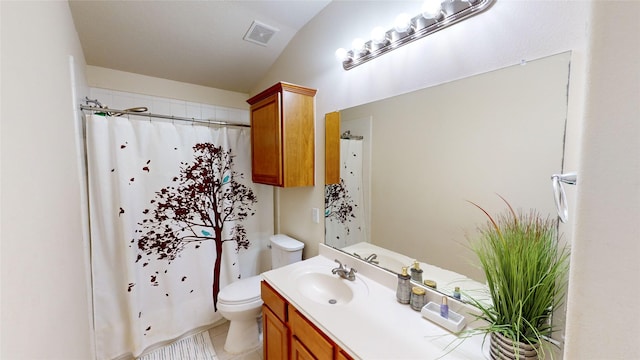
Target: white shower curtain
<point>171,205</point>
<point>344,202</point>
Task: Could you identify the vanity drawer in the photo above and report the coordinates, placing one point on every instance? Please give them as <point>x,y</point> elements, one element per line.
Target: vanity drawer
<point>299,351</point>
<point>274,301</point>
<point>341,355</point>
<point>309,336</point>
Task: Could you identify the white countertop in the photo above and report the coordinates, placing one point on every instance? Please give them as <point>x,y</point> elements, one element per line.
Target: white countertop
<point>374,325</point>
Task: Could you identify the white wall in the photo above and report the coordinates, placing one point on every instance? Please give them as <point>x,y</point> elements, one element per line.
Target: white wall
<point>605,244</point>
<point>104,78</point>
<point>120,100</point>
<point>510,31</point>
<point>603,322</point>
<point>45,302</point>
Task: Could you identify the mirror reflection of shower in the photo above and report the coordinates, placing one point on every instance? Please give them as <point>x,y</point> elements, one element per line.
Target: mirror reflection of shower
<point>347,211</point>
<point>344,208</point>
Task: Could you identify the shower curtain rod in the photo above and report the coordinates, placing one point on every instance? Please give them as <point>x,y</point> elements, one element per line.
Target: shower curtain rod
<point>169,117</point>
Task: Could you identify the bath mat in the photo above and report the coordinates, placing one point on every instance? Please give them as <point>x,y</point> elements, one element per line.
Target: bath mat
<point>196,347</point>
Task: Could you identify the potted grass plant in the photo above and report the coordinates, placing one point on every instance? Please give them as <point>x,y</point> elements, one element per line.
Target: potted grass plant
<point>526,270</point>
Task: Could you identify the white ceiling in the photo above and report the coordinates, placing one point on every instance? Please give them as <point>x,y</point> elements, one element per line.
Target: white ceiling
<point>198,42</point>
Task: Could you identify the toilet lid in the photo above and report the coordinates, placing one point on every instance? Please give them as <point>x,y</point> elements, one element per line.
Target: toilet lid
<point>241,291</point>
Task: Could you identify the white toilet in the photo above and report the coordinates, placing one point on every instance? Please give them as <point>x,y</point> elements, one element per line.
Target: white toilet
<point>240,302</point>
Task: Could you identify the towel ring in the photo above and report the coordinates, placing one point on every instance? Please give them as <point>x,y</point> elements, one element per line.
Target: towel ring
<point>559,194</point>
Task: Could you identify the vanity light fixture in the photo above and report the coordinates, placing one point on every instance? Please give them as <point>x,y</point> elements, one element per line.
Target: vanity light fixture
<point>435,15</point>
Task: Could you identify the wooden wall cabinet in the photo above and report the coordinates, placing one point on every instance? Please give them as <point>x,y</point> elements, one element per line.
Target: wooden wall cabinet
<point>287,334</point>
<point>283,136</point>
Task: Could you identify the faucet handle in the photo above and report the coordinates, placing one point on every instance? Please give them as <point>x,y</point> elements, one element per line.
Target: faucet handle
<point>351,275</point>
<point>340,265</point>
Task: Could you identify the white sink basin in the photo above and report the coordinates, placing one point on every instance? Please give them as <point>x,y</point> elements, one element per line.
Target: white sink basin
<point>321,286</point>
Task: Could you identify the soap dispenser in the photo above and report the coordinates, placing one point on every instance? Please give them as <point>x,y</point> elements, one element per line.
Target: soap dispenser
<point>416,272</point>
<point>403,292</point>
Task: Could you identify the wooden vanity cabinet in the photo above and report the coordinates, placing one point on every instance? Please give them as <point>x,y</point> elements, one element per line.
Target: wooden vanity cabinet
<point>341,355</point>
<point>300,352</point>
<point>287,334</point>
<point>275,335</point>
<point>312,339</point>
<point>283,136</point>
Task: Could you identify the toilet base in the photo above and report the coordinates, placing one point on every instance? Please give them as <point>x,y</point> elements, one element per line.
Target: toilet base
<point>243,336</point>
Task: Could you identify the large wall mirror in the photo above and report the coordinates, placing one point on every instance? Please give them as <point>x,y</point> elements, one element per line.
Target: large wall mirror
<point>410,164</point>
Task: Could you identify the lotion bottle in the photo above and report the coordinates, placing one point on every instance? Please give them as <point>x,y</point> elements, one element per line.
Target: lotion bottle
<point>456,293</point>
<point>444,308</point>
<point>417,298</point>
<point>416,272</point>
<point>403,292</point>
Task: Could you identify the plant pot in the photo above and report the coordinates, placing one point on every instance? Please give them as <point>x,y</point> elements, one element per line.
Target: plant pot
<point>503,348</point>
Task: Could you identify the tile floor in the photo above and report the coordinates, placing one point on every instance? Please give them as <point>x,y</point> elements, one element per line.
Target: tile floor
<point>218,336</point>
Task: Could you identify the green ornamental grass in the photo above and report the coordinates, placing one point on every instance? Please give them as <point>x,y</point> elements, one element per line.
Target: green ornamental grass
<point>526,270</point>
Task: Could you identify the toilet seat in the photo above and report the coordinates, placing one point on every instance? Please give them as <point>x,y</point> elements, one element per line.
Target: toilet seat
<point>241,292</point>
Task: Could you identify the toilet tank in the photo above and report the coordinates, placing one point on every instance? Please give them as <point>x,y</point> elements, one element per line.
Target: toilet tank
<point>285,250</point>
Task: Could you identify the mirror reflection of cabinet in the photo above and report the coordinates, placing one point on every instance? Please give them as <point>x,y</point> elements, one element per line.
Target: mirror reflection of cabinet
<point>283,136</point>
<point>332,148</point>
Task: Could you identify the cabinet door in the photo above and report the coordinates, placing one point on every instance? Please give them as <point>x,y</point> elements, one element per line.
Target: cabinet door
<point>307,334</point>
<point>299,352</point>
<point>298,134</point>
<point>266,141</point>
<point>275,336</point>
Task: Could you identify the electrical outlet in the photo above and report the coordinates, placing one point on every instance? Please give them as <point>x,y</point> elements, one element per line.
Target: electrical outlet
<point>315,215</point>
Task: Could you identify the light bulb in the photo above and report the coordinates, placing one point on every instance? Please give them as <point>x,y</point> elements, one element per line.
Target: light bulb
<point>431,9</point>
<point>378,35</point>
<point>357,45</point>
<point>402,23</point>
<point>342,54</point>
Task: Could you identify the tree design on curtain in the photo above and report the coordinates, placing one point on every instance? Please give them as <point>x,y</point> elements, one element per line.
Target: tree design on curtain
<point>338,204</point>
<point>205,197</point>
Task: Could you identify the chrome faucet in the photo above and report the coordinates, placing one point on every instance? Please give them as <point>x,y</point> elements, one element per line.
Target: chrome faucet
<point>371,259</point>
<point>344,272</point>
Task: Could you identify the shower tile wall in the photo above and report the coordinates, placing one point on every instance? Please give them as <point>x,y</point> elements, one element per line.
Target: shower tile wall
<point>157,105</point>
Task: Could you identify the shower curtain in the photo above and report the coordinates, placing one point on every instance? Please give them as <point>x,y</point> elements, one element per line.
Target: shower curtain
<point>170,210</point>
<point>344,202</point>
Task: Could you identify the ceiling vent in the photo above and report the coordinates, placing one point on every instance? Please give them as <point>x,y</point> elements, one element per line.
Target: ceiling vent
<point>260,33</point>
